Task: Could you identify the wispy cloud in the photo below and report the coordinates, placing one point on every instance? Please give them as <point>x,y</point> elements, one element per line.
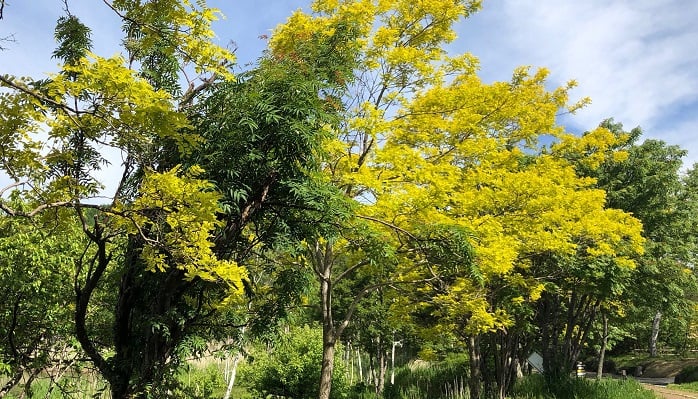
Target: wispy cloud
<point>637,60</point>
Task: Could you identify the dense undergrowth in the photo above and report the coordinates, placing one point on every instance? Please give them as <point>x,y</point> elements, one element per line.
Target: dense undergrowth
<point>534,387</point>
<point>444,380</point>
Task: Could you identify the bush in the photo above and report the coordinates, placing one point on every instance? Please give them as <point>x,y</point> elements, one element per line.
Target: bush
<point>200,382</point>
<point>291,368</point>
<point>686,375</point>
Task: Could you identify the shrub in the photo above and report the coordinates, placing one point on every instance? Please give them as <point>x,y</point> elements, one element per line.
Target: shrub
<point>291,367</point>
<point>200,382</point>
<point>686,375</point>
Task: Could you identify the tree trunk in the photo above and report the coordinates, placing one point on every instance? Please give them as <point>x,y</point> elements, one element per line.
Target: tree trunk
<point>350,362</point>
<point>504,346</point>
<point>328,347</point>
<point>382,367</point>
<point>379,367</point>
<point>655,334</point>
<point>12,382</point>
<point>360,366</point>
<point>322,258</point>
<point>475,377</point>
<point>392,361</point>
<point>604,344</point>
<point>233,373</point>
<point>549,320</point>
<point>323,267</point>
<point>571,322</point>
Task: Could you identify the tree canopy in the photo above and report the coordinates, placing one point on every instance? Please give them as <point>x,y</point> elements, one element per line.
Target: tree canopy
<point>357,150</point>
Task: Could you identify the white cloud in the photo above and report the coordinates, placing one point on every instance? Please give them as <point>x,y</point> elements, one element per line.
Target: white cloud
<point>637,60</point>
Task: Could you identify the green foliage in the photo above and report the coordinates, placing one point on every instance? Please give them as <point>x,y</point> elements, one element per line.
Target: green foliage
<point>534,387</point>
<point>356,107</point>
<point>446,379</point>
<point>200,382</point>
<point>169,32</point>
<point>36,274</point>
<point>291,366</point>
<point>263,137</point>
<point>165,251</point>
<point>686,375</point>
<point>73,39</point>
<point>648,182</point>
<point>76,384</point>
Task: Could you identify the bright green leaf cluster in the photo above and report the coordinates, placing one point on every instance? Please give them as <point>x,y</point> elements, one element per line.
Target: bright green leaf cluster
<point>175,214</point>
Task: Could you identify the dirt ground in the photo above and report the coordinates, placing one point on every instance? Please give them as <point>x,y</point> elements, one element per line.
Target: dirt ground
<point>661,369</point>
<point>671,393</point>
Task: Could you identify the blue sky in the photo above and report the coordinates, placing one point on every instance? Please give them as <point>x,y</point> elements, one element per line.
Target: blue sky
<point>636,59</point>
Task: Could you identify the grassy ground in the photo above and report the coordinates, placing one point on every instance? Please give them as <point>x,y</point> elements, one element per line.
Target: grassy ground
<point>533,387</point>
<point>689,387</point>
<point>205,381</point>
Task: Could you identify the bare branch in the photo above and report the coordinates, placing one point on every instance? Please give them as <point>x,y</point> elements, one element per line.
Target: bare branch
<point>345,273</point>
<point>66,8</point>
<point>193,91</point>
<point>7,39</point>
<point>11,186</point>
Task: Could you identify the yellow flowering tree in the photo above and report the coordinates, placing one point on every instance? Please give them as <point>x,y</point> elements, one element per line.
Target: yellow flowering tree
<point>396,46</point>
<point>431,154</point>
<point>467,155</point>
<point>147,272</point>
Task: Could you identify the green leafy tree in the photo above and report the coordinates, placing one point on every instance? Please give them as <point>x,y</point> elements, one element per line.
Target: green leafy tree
<point>213,177</point>
<point>36,276</point>
<point>649,184</point>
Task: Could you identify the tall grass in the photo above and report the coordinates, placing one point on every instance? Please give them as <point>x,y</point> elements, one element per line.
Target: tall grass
<point>197,381</point>
<point>448,380</point>
<point>534,387</point>
<point>443,380</point>
<point>76,385</point>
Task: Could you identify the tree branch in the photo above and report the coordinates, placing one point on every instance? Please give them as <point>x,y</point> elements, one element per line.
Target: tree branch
<point>82,300</point>
<point>388,224</point>
<point>33,93</point>
<point>349,270</point>
<point>40,208</point>
<point>193,91</point>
